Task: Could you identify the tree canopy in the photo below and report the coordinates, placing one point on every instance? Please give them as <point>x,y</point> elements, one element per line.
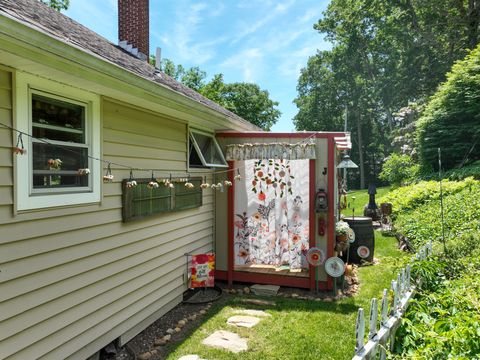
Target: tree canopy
<point>246,100</point>
<point>58,5</point>
<point>385,55</point>
<point>451,119</point>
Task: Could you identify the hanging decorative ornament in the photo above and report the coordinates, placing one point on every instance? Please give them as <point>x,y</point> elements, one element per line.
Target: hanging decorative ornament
<point>108,177</point>
<point>54,164</point>
<point>238,177</point>
<point>131,183</point>
<point>204,184</point>
<point>214,187</point>
<point>350,235</point>
<point>227,183</point>
<point>19,148</point>
<point>82,172</point>
<point>188,184</point>
<point>363,252</point>
<point>152,184</point>
<point>334,267</point>
<point>315,256</point>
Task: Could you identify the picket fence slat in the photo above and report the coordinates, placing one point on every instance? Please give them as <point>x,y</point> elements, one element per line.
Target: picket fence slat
<point>379,339</point>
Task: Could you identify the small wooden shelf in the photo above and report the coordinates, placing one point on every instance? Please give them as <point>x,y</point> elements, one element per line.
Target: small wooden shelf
<point>58,128</point>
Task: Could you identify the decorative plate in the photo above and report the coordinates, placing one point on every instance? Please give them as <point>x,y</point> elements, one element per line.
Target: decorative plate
<point>351,235</point>
<point>315,256</point>
<point>363,251</point>
<point>334,267</point>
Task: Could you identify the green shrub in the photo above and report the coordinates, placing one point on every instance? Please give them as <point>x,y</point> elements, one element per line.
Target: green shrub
<point>453,174</point>
<point>451,119</point>
<point>399,169</point>
<point>444,321</point>
<point>413,196</point>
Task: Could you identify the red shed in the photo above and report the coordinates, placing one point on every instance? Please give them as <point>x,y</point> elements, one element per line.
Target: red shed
<point>271,217</point>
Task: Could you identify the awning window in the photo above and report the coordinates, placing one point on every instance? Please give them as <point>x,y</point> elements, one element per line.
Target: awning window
<point>204,151</point>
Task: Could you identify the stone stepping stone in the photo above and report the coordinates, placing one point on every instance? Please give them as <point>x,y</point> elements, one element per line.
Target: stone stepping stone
<point>190,357</point>
<point>259,302</point>
<point>243,321</point>
<point>265,290</point>
<point>226,340</point>
<point>259,313</point>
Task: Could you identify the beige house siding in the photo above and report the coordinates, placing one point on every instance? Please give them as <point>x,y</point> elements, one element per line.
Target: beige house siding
<point>74,279</point>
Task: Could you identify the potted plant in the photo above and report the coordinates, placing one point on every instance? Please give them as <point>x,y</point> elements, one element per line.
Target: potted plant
<point>341,230</point>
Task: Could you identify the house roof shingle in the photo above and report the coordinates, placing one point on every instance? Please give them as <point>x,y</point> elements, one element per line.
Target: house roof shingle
<point>37,15</point>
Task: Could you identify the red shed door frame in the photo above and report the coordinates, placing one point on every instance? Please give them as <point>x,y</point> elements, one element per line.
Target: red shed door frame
<point>306,282</point>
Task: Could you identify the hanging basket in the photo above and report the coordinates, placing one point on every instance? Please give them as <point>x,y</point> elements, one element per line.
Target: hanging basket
<point>341,246</point>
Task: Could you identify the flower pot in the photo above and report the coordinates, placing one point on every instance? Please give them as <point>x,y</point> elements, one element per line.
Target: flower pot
<point>341,237</point>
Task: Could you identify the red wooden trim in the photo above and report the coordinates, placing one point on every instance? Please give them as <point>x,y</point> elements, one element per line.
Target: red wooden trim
<point>332,205</point>
<point>311,221</point>
<point>230,209</point>
<point>296,135</point>
<point>280,280</point>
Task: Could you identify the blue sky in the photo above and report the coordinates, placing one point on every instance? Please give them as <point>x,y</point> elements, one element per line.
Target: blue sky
<point>261,41</point>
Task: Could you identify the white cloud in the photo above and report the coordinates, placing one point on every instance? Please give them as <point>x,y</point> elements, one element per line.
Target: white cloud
<point>182,41</point>
<point>249,62</point>
<point>249,28</point>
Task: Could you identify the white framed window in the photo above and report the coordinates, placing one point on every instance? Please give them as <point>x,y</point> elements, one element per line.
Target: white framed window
<point>204,151</point>
<point>65,124</point>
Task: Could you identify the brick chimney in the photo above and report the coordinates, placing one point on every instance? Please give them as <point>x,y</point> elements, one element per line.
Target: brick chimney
<point>133,27</point>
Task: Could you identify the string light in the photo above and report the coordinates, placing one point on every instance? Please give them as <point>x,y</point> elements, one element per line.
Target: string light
<point>19,148</point>
<point>108,177</point>
<point>56,163</point>
<point>131,183</point>
<point>152,184</point>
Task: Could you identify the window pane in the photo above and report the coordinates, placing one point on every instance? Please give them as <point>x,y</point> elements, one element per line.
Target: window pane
<point>57,120</point>
<point>46,175</point>
<point>208,149</point>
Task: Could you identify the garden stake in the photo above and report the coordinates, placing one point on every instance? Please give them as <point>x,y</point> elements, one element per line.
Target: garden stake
<point>441,199</point>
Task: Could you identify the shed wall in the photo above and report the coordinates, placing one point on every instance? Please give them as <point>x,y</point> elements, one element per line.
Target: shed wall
<point>73,279</point>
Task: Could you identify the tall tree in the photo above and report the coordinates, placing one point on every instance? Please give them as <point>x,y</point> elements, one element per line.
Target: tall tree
<point>385,54</point>
<point>58,5</point>
<point>246,100</point>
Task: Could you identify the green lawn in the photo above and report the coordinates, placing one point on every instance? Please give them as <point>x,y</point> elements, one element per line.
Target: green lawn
<point>299,329</point>
<point>361,199</point>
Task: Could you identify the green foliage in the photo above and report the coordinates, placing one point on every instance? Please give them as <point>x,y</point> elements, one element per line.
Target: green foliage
<point>58,5</point>
<point>246,100</point>
<point>385,55</point>
<point>453,174</point>
<point>444,321</point>
<point>398,169</point>
<point>412,197</point>
<point>451,119</point>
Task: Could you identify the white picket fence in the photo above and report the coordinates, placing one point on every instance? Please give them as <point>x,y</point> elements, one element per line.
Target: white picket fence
<point>391,313</point>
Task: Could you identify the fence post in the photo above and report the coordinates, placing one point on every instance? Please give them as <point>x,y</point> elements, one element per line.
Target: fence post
<point>395,298</point>
<point>359,330</point>
<point>373,325</point>
<point>383,322</point>
<point>409,269</point>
